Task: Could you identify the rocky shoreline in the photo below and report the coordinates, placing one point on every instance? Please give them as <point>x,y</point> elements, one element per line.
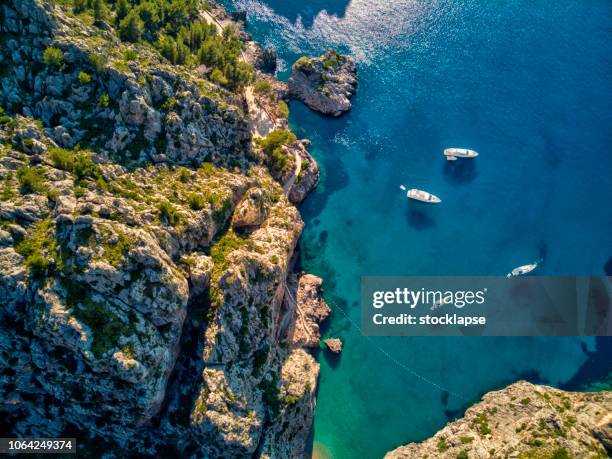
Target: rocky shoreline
<point>326,83</point>
<point>146,247</point>
<point>524,421</point>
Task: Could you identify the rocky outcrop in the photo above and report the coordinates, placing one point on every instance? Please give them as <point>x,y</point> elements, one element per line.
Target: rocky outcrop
<point>144,252</point>
<point>263,59</point>
<point>305,299</point>
<point>308,176</point>
<point>334,345</point>
<point>524,421</point>
<point>326,84</point>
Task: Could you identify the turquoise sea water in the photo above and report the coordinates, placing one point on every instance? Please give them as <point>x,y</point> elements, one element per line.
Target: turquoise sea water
<point>527,84</point>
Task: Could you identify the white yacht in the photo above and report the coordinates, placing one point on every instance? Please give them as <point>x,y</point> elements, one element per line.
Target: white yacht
<point>521,270</point>
<point>423,196</point>
<point>453,153</point>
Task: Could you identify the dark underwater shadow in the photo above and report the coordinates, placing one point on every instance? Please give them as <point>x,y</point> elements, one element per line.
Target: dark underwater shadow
<point>608,267</point>
<point>419,219</point>
<point>333,360</point>
<point>460,172</point>
<point>596,369</point>
<point>552,150</point>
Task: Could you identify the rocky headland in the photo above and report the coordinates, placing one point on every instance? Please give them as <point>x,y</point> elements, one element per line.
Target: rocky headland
<point>524,421</point>
<point>146,238</point>
<point>326,83</point>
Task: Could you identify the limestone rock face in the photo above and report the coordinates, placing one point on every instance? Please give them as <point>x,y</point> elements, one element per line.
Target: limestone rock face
<point>523,421</point>
<point>304,297</point>
<point>144,254</point>
<point>326,84</point>
<point>251,210</point>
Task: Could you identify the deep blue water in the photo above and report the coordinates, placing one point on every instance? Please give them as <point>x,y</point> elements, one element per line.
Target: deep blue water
<point>527,84</point>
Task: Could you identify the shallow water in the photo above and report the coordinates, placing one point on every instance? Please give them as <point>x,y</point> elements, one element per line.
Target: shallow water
<point>527,85</point>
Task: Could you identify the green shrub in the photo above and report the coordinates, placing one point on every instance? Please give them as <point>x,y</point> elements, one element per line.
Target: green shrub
<point>272,146</point>
<point>131,27</point>
<point>217,76</point>
<point>84,78</point>
<point>442,446</point>
<point>84,166</point>
<point>184,175</point>
<point>169,104</point>
<point>560,453</point>
<point>130,55</point>
<point>122,9</point>
<point>100,11</point>
<point>115,253</point>
<point>276,139</point>
<point>169,213</point>
<point>62,159</point>
<point>7,189</point>
<point>39,247</point>
<point>283,109</point>
<point>229,242</point>
<point>196,201</point>
<point>462,455</point>
<point>53,58</point>
<point>31,179</point>
<point>262,87</point>
<point>98,62</point>
<point>104,101</point>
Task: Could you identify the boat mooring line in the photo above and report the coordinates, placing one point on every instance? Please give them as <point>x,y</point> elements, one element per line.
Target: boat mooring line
<point>394,360</point>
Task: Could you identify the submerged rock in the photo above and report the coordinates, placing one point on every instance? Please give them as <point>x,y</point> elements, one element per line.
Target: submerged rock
<point>524,420</point>
<point>326,84</point>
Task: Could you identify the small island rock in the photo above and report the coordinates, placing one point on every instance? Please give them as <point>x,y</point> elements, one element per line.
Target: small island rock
<point>325,84</point>
<point>334,345</point>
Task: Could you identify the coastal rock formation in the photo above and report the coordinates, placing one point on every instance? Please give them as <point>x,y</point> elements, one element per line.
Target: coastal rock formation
<point>262,59</point>
<point>144,252</point>
<point>306,303</point>
<point>334,345</point>
<point>524,421</point>
<point>308,172</point>
<point>326,84</point>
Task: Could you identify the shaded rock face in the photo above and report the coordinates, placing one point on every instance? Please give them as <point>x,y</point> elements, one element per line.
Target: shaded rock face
<point>142,280</point>
<point>263,59</point>
<point>326,84</point>
<point>524,421</point>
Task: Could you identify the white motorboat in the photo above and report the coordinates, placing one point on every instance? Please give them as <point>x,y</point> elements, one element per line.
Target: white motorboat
<point>423,196</point>
<point>522,270</point>
<point>453,153</point>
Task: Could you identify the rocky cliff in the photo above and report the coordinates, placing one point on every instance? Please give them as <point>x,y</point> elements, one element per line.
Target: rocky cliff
<point>326,84</point>
<point>524,421</point>
<point>144,249</point>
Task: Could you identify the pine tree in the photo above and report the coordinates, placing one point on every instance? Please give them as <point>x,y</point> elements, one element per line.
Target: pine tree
<point>122,9</point>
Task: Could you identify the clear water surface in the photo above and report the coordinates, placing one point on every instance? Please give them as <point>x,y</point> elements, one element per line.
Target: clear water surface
<point>527,84</point>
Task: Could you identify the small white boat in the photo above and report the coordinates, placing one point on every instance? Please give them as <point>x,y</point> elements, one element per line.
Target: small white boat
<point>453,153</point>
<point>423,196</point>
<point>522,270</point>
